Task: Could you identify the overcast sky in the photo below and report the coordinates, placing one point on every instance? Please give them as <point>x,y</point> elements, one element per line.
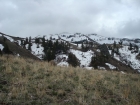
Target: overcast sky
<point>119,18</point>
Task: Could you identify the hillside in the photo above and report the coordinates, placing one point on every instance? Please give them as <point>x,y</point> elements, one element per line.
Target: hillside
<point>25,81</point>
<point>90,51</point>
<point>15,48</point>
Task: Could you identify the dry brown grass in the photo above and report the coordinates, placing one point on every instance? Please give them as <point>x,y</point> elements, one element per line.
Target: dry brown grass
<point>34,82</point>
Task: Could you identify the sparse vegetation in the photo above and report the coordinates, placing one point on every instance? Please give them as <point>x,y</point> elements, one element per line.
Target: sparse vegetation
<point>25,81</point>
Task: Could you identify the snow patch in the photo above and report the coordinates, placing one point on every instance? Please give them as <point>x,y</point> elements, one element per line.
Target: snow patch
<point>84,57</point>
<point>98,50</point>
<point>123,72</point>
<point>37,51</point>
<point>9,38</point>
<point>110,66</point>
<point>101,68</point>
<point>128,58</point>
<point>62,60</point>
<point>88,68</point>
<point>64,64</point>
<point>101,39</point>
<point>1,46</point>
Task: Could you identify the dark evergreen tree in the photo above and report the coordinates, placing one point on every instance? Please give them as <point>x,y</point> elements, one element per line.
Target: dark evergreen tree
<point>99,60</point>
<point>52,48</point>
<point>29,46</point>
<point>21,43</point>
<point>50,38</point>
<point>117,52</point>
<point>6,49</point>
<point>26,40</point>
<point>24,44</point>
<point>130,46</point>
<point>82,46</point>
<point>72,60</point>
<point>43,41</point>
<point>136,49</point>
<point>91,44</point>
<point>52,55</point>
<point>36,40</point>
<point>112,52</point>
<point>120,42</point>
<point>50,44</point>
<point>30,39</point>
<point>69,45</point>
<point>109,47</point>
<point>48,55</point>
<point>4,39</point>
<point>114,45</point>
<point>94,62</point>
<point>1,52</point>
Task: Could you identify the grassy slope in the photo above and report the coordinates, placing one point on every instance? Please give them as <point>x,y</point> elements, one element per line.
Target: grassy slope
<point>24,81</point>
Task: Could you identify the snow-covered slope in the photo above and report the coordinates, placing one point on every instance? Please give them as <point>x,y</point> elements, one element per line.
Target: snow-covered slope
<point>110,66</point>
<point>1,46</point>
<point>102,39</point>
<point>73,37</point>
<point>62,60</point>
<point>128,58</point>
<point>84,57</point>
<point>37,50</point>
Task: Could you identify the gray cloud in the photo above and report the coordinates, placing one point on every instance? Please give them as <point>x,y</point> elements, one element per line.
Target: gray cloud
<point>38,17</point>
<point>131,28</point>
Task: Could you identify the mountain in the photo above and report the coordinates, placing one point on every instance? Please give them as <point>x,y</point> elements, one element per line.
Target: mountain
<point>90,51</point>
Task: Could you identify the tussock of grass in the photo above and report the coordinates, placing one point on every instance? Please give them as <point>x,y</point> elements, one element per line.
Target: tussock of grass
<point>24,81</point>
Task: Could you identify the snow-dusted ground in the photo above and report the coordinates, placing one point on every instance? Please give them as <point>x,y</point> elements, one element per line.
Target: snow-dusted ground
<point>65,64</point>
<point>107,41</point>
<point>84,57</point>
<point>128,58</point>
<point>37,51</point>
<point>61,57</point>
<point>1,46</point>
<point>51,36</point>
<point>78,45</point>
<point>123,72</point>
<point>98,50</point>
<point>88,68</point>
<point>73,37</point>
<point>102,39</point>
<point>9,38</point>
<point>110,66</point>
<point>62,60</point>
<point>101,68</point>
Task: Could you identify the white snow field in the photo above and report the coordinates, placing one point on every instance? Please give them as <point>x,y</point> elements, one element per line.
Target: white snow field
<point>84,57</point>
<point>128,58</point>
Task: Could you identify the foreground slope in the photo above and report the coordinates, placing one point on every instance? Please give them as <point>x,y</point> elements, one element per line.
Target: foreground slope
<point>25,81</point>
